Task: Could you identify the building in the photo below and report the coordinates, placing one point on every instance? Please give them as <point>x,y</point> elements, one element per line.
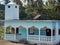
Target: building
<point>11,11</point>
<point>34,31</point>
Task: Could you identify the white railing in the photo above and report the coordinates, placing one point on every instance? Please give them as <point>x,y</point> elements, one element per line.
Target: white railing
<point>53,38</point>
<point>45,38</point>
<point>18,37</point>
<point>33,37</point>
<point>41,38</point>
<point>10,36</point>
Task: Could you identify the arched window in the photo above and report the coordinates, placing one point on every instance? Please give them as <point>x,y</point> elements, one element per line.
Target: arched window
<point>20,29</point>
<point>8,30</point>
<point>33,31</point>
<point>13,30</point>
<point>45,31</point>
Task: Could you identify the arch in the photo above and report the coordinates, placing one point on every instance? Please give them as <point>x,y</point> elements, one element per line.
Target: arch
<point>8,29</point>
<point>33,30</point>
<point>45,31</point>
<point>12,30</point>
<point>20,28</point>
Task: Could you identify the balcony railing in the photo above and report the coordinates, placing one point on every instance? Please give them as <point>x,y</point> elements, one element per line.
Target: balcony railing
<point>10,36</point>
<point>41,38</point>
<point>33,37</point>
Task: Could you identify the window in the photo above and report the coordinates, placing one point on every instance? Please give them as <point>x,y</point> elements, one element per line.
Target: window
<point>15,6</point>
<point>8,6</point>
<point>59,31</point>
<point>17,30</point>
<point>45,31</point>
<point>48,32</point>
<point>8,30</point>
<point>33,31</point>
<point>12,30</point>
<point>53,32</point>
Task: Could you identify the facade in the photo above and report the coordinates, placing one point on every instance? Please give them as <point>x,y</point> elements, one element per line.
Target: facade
<point>11,11</point>
<point>33,31</point>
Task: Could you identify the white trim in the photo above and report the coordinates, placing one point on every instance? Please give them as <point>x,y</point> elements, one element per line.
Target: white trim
<point>39,35</point>
<point>27,33</point>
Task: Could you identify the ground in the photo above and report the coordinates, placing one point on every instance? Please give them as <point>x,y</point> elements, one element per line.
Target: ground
<point>3,42</point>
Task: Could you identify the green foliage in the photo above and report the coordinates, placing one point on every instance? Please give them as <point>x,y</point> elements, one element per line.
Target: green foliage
<point>1,32</point>
<point>2,15</point>
<point>48,11</point>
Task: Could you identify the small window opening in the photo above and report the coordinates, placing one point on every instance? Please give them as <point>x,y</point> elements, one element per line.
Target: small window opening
<point>15,6</point>
<point>8,6</point>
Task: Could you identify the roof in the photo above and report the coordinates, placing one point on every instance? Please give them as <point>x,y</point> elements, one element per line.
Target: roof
<point>11,3</point>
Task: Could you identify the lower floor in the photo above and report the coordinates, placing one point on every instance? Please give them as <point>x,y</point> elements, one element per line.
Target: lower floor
<point>32,34</point>
<point>33,31</point>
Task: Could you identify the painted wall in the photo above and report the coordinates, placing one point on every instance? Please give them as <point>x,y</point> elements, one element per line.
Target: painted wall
<point>39,24</point>
<point>12,12</point>
<point>27,24</point>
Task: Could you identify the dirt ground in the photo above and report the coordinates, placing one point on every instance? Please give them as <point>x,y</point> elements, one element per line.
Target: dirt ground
<point>3,42</point>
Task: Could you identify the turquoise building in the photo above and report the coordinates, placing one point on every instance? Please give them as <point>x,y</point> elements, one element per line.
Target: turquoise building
<point>36,31</point>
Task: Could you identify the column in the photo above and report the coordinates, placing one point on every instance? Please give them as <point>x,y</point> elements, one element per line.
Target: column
<point>27,33</point>
<point>39,35</point>
<point>15,34</point>
<point>4,32</point>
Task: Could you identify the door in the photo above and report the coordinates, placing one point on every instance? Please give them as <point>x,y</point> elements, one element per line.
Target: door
<point>48,32</point>
<point>17,30</point>
<point>23,33</point>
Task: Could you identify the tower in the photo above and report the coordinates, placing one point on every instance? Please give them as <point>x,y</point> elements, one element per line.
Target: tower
<point>11,11</point>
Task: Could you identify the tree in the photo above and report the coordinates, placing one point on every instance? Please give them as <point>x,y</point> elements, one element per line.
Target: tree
<point>17,1</point>
<point>59,1</point>
<point>2,17</point>
<point>7,1</point>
